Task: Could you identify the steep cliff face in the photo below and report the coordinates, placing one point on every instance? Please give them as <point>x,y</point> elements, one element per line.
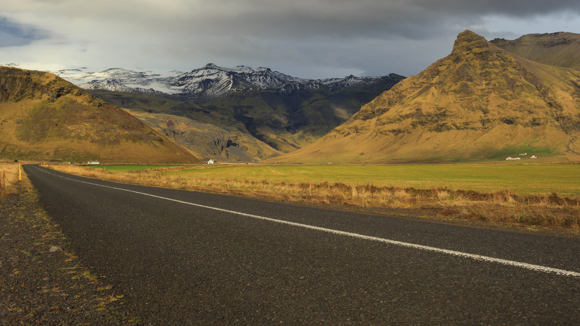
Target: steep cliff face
<point>45,117</point>
<point>478,103</point>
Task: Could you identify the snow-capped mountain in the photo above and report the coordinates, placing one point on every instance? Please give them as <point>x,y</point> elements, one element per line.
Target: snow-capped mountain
<point>208,82</point>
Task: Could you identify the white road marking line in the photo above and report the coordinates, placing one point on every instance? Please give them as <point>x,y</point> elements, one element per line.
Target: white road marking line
<point>532,267</point>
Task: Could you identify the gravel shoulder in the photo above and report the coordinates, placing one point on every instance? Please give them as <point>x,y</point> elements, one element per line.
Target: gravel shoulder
<point>42,281</point>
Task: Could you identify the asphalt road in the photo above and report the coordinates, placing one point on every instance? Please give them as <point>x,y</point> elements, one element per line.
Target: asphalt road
<point>180,264</point>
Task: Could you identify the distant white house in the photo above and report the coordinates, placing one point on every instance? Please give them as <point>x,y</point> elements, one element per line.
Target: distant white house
<point>211,161</point>
<point>512,158</point>
<point>524,154</point>
<point>94,162</point>
<point>533,156</point>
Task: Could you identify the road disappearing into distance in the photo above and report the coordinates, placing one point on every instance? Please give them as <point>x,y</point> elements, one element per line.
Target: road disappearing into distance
<point>183,257</point>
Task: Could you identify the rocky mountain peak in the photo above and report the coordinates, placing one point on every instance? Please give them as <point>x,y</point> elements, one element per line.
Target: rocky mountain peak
<point>468,41</point>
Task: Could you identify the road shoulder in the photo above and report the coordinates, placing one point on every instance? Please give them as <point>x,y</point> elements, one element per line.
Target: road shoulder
<point>41,279</point>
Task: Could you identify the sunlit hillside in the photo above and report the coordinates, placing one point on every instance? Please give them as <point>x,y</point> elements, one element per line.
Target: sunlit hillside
<point>479,103</point>
<point>43,117</point>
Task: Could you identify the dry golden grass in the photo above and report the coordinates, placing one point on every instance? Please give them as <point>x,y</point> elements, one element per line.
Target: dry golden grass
<point>504,208</point>
<point>8,177</point>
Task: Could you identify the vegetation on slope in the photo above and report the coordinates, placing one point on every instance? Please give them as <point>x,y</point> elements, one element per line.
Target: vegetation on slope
<point>478,103</point>
<point>556,49</point>
<point>43,117</point>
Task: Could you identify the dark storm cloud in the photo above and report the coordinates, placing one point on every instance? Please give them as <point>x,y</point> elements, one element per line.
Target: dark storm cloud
<point>515,8</point>
<point>305,38</point>
<point>414,19</point>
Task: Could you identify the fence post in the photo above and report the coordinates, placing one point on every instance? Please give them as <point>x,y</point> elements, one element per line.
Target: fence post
<point>19,172</point>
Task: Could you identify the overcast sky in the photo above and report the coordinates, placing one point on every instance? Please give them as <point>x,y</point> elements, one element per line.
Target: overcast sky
<point>302,38</point>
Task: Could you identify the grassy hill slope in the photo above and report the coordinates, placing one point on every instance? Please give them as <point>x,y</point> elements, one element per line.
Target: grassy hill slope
<point>43,117</point>
<point>556,49</point>
<point>478,103</point>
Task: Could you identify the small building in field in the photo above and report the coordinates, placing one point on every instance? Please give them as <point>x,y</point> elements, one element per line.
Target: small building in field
<point>533,156</point>
<point>211,161</point>
<point>94,162</point>
<point>524,154</point>
<point>509,158</point>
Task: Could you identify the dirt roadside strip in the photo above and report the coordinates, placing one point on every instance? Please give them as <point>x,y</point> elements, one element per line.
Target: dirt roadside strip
<point>41,280</point>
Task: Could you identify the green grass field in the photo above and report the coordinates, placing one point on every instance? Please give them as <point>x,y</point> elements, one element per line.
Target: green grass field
<point>128,168</point>
<point>521,179</point>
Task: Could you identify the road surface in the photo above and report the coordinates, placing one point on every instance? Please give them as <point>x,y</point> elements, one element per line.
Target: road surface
<point>187,258</point>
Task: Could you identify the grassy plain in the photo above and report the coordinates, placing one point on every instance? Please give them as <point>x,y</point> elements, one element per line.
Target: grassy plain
<point>563,179</point>
<point>547,202</point>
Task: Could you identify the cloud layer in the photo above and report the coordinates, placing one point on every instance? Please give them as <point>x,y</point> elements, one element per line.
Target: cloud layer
<point>305,38</point>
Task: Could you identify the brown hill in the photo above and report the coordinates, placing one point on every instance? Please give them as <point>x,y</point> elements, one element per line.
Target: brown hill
<point>478,103</point>
<point>43,117</point>
<point>556,49</point>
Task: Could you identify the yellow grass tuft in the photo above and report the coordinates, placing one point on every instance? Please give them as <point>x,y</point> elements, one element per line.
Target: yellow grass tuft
<point>8,177</point>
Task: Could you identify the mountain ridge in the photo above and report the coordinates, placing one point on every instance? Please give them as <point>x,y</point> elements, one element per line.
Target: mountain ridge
<point>560,49</point>
<point>209,82</point>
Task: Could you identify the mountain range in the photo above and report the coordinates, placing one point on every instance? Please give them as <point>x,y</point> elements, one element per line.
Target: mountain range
<point>232,114</point>
<point>483,102</point>
<point>248,114</point>
<point>209,82</point>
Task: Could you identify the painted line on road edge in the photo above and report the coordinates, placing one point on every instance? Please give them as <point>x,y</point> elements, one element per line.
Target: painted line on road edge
<point>356,235</point>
